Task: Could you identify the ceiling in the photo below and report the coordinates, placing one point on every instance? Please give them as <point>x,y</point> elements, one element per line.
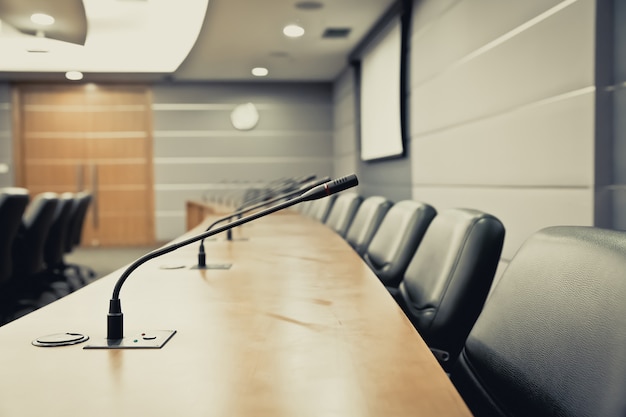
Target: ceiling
<point>219,41</point>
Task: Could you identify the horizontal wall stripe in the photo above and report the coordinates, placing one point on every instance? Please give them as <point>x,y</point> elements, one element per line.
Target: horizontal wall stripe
<point>202,134</point>
<point>614,187</point>
<point>237,160</point>
<point>504,186</point>
<point>616,87</point>
<point>125,187</point>
<point>222,106</point>
<point>501,112</point>
<point>85,108</point>
<point>170,213</point>
<point>203,106</point>
<point>87,135</point>
<point>207,186</point>
<point>80,161</point>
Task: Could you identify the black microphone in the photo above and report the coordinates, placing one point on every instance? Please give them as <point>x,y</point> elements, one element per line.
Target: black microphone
<point>115,317</point>
<point>283,186</point>
<point>245,208</point>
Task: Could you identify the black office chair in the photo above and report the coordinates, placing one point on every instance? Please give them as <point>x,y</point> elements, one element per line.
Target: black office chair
<point>343,211</point>
<point>396,240</point>
<point>54,247</point>
<point>80,207</point>
<point>321,208</point>
<point>448,279</point>
<point>28,281</point>
<point>366,221</point>
<point>82,201</point>
<point>13,202</point>
<point>551,339</point>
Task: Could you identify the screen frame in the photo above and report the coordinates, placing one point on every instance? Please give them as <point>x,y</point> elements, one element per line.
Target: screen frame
<point>399,11</point>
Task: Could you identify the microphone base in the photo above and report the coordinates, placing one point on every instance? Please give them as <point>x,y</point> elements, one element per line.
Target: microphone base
<point>151,339</point>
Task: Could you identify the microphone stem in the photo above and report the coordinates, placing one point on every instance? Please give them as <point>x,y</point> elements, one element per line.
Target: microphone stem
<point>246,209</point>
<point>115,318</point>
<point>170,248</point>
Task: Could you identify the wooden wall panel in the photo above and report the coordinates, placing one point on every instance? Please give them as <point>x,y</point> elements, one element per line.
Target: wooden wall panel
<point>97,138</point>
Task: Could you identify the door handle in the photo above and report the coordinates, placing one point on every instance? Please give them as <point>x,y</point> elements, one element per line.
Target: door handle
<point>80,178</point>
<point>96,201</point>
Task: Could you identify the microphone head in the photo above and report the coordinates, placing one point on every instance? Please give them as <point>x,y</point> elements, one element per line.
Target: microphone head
<point>331,187</point>
<point>343,183</point>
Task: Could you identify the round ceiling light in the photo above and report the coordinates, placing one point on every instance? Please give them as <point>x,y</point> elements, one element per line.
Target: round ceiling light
<point>260,71</point>
<point>309,5</point>
<point>42,19</point>
<point>293,31</point>
<point>74,75</point>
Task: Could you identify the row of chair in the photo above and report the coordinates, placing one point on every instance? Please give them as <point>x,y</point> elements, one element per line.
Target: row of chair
<point>549,339</point>
<point>439,266</point>
<point>36,235</point>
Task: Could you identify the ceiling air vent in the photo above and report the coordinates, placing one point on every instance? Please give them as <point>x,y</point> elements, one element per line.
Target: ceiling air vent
<point>336,33</point>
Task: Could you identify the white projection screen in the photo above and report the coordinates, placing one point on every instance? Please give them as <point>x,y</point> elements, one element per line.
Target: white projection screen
<point>380,96</point>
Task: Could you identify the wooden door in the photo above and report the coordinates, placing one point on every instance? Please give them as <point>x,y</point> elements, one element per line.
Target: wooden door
<point>93,137</point>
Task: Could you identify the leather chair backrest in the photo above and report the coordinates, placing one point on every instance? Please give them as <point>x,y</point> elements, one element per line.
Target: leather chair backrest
<point>82,200</point>
<point>13,202</point>
<point>448,279</point>
<point>28,248</point>
<point>551,339</point>
<point>396,240</point>
<point>321,208</point>
<point>54,247</point>
<point>343,211</point>
<point>366,221</point>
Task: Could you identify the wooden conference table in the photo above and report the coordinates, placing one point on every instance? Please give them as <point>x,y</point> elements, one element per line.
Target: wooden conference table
<point>298,326</point>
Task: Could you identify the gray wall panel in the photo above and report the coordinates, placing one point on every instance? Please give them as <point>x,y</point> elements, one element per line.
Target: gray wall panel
<point>619,52</point>
<point>522,210</point>
<point>271,117</point>
<point>220,93</point>
<point>619,151</point>
<point>239,169</point>
<point>196,147</point>
<point>548,144</point>
<point>502,102</point>
<point>552,57</point>
<point>216,119</point>
<point>464,28</point>
<point>345,141</point>
<point>345,136</point>
<point>295,144</point>
<point>502,113</point>
<point>391,178</point>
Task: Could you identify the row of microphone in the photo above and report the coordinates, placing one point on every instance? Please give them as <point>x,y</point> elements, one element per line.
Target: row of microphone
<point>307,189</point>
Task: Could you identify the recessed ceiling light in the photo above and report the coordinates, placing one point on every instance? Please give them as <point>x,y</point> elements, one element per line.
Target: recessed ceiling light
<point>74,75</point>
<point>309,5</point>
<point>293,31</point>
<point>42,19</point>
<point>260,72</point>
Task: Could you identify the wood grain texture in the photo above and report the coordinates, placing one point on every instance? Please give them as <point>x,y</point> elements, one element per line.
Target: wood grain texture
<point>298,326</point>
<point>95,137</point>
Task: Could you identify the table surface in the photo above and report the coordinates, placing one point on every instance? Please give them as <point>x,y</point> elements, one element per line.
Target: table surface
<point>298,326</point>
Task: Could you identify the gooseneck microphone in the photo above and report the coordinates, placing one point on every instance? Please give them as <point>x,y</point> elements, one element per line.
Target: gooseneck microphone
<point>115,317</point>
<point>246,208</point>
<point>284,186</point>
